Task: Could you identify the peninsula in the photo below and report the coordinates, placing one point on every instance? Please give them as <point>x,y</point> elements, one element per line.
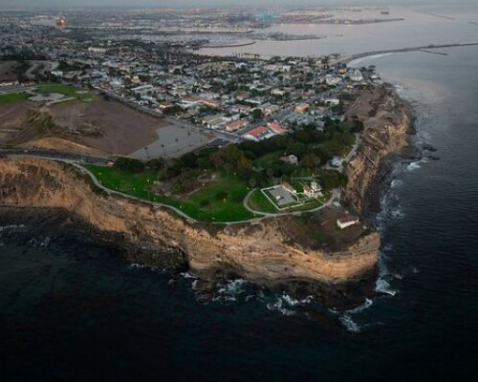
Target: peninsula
<point>228,167</point>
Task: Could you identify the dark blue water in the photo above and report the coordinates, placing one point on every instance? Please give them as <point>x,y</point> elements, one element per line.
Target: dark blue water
<point>71,310</point>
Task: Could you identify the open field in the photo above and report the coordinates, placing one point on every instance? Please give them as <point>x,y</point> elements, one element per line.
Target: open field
<point>11,120</point>
<point>219,201</point>
<point>14,97</point>
<point>106,125</point>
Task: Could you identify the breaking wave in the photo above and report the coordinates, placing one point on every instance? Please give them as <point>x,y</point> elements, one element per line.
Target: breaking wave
<point>384,287</point>
<point>349,324</point>
<point>285,304</point>
<point>230,290</point>
<point>413,166</point>
<point>10,227</point>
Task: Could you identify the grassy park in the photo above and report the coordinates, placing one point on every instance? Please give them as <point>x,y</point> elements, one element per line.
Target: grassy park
<point>14,97</point>
<point>66,90</point>
<point>219,201</point>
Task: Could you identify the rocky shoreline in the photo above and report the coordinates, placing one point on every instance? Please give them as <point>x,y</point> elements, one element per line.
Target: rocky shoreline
<point>260,252</point>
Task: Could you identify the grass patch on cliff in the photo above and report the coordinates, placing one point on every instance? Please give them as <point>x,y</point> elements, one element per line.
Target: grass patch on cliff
<point>259,202</point>
<point>14,97</point>
<point>219,201</point>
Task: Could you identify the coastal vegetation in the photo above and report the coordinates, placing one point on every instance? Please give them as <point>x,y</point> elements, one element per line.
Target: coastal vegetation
<point>14,97</point>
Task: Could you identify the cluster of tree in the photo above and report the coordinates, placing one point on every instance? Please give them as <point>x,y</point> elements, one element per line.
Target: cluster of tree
<point>172,110</point>
<point>311,146</point>
<point>186,181</point>
<point>133,166</point>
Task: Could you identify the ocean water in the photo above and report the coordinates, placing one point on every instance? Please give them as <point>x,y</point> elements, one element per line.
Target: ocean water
<point>71,310</point>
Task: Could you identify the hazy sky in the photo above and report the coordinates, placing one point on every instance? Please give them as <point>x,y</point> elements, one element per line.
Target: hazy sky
<point>74,3</point>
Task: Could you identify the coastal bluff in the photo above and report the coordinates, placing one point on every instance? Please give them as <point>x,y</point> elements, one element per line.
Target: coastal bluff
<point>388,122</point>
<point>260,252</point>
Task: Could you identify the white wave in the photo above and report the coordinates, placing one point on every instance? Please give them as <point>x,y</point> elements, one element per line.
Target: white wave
<point>415,270</point>
<point>279,306</point>
<point>383,286</point>
<point>10,227</point>
<point>413,166</point>
<point>137,265</point>
<point>39,242</point>
<point>367,304</point>
<point>349,324</point>
<point>233,287</point>
<point>396,183</point>
<point>367,58</point>
<point>396,213</point>
<point>230,290</point>
<point>46,242</point>
<point>187,275</point>
<point>286,303</point>
<point>398,276</point>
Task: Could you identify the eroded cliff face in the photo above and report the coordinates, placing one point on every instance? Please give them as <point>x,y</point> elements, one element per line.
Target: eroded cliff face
<point>258,251</point>
<point>388,121</point>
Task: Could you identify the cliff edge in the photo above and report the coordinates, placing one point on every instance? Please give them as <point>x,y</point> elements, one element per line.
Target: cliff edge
<point>388,121</point>
<point>259,251</point>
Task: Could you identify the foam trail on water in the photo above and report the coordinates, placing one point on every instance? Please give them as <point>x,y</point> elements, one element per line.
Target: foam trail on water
<point>349,324</point>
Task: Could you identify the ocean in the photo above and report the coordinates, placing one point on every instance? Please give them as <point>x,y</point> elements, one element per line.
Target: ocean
<point>73,310</point>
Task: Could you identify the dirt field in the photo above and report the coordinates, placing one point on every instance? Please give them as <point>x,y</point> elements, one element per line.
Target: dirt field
<point>60,145</point>
<point>106,125</point>
<point>101,126</point>
<point>11,120</point>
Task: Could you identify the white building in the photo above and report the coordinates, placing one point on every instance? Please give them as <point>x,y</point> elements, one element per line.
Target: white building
<point>347,221</point>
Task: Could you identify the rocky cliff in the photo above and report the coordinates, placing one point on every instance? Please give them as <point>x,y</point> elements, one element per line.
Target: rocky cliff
<point>388,122</point>
<point>259,252</point>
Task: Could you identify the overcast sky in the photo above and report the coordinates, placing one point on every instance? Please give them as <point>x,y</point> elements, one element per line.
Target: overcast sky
<point>75,3</point>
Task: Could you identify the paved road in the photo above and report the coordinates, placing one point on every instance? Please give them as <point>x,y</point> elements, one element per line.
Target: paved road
<point>58,155</point>
<point>44,66</point>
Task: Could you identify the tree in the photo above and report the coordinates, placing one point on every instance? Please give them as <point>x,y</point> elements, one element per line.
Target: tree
<point>155,164</point>
<point>129,165</point>
<point>310,161</point>
<point>257,114</point>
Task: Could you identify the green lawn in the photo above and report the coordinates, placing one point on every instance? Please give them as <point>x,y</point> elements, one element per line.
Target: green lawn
<point>309,205</point>
<point>14,97</point>
<point>66,90</point>
<point>203,205</point>
<point>259,202</point>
